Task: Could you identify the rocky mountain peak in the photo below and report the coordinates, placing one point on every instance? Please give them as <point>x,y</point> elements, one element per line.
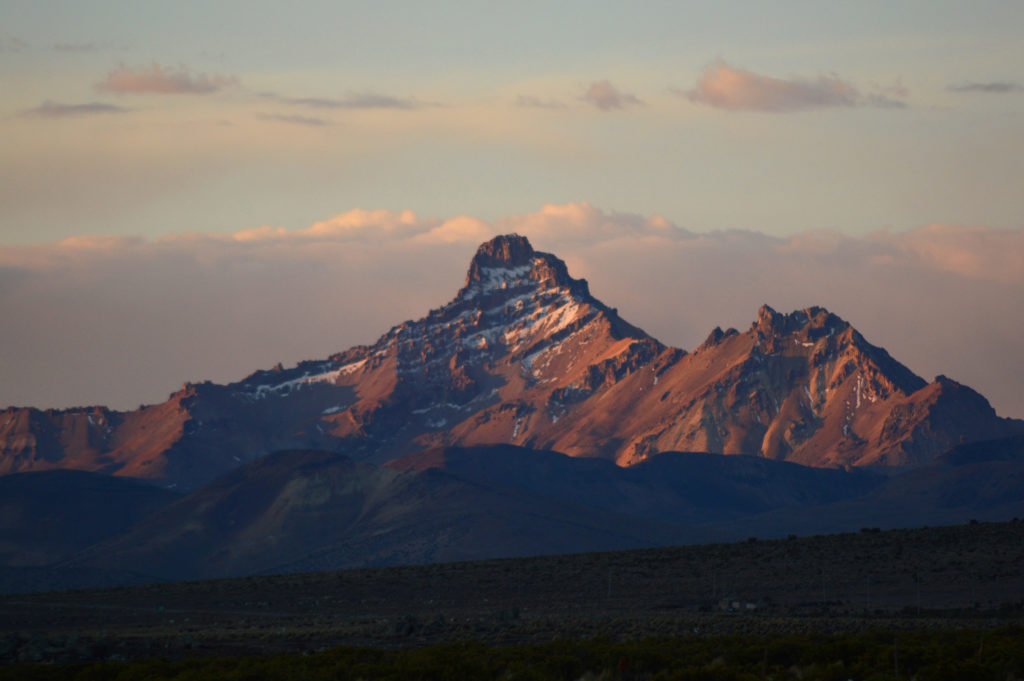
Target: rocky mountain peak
<point>812,322</point>
<point>506,250</point>
<point>508,262</point>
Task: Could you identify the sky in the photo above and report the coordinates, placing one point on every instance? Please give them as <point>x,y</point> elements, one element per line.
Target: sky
<point>197,190</point>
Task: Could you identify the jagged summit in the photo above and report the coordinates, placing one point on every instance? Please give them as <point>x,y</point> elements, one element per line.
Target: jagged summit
<point>508,262</point>
<point>506,250</point>
<point>814,321</point>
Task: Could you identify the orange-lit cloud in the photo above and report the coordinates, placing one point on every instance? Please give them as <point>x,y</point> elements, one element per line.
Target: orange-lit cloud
<point>582,222</point>
<point>725,87</point>
<point>163,80</point>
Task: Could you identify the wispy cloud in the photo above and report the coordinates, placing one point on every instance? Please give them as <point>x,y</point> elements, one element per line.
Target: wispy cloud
<point>157,79</point>
<point>996,87</point>
<point>294,120</point>
<point>50,109</point>
<point>880,101</point>
<point>724,87</point>
<point>11,43</point>
<point>352,100</point>
<point>531,102</point>
<point>78,47</point>
<point>607,97</point>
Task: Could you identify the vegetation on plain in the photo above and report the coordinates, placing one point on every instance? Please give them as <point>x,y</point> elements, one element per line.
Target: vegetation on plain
<point>878,655</point>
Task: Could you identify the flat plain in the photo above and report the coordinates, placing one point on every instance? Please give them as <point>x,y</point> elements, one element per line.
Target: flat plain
<point>929,579</point>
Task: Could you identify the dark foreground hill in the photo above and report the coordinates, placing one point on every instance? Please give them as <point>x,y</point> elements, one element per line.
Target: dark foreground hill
<point>300,511</point>
<point>47,516</point>
<point>935,578</point>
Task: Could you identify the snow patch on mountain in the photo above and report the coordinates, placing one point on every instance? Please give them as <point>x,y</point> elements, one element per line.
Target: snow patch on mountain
<point>497,278</point>
<point>307,379</point>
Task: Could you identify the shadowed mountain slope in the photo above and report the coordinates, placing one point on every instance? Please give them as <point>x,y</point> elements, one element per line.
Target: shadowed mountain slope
<point>309,510</point>
<point>47,516</point>
<point>299,511</point>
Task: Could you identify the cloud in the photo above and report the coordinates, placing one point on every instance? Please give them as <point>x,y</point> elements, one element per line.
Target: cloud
<point>997,87</point>
<point>978,253</point>
<point>11,43</point>
<point>941,298</point>
<point>50,109</point>
<point>607,97</point>
<point>562,225</point>
<point>77,47</point>
<point>530,102</point>
<point>575,223</point>
<point>465,229</point>
<point>725,87</point>
<point>294,120</point>
<point>158,79</point>
<point>353,100</point>
<point>880,101</point>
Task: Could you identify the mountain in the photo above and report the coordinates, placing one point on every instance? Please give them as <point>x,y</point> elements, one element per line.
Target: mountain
<point>304,510</point>
<point>47,516</point>
<point>525,355</point>
<point>682,488</point>
<point>980,481</point>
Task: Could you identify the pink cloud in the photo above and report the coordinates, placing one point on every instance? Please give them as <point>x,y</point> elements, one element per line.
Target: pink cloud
<point>158,79</point>
<point>725,87</point>
<point>607,97</point>
<point>464,228</point>
<point>967,251</point>
<point>569,223</point>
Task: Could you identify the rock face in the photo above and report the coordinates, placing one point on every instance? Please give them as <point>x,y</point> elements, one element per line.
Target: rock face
<point>806,387</point>
<point>525,355</point>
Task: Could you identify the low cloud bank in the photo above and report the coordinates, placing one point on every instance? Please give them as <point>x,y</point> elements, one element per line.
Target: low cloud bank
<point>122,321</point>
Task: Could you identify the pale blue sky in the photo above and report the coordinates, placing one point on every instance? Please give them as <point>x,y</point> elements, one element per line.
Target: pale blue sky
<point>153,163</point>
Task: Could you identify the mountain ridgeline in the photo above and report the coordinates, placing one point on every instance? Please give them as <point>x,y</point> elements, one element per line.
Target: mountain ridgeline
<point>525,355</point>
